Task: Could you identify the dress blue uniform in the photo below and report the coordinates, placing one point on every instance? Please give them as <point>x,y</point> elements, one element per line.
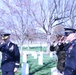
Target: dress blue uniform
<point>10,58</point>
<point>70,61</point>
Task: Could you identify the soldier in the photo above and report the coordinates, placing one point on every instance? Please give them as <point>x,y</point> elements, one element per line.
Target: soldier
<point>60,54</point>
<point>10,56</point>
<point>70,61</point>
<point>57,44</point>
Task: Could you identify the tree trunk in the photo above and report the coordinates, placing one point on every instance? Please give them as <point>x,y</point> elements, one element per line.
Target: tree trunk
<point>48,44</point>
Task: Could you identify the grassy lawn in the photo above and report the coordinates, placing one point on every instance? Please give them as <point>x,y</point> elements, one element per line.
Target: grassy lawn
<point>44,69</point>
<point>34,48</point>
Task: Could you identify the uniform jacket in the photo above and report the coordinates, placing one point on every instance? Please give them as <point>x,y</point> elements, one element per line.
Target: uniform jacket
<point>10,56</point>
<point>61,56</point>
<point>70,62</point>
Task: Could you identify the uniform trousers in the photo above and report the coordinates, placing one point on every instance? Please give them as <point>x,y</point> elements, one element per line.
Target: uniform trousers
<point>8,73</point>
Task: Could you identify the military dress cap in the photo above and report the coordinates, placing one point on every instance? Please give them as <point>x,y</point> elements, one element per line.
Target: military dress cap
<point>5,35</point>
<point>69,30</point>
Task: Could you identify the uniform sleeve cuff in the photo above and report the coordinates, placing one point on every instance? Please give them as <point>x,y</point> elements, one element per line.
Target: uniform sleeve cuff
<point>17,65</point>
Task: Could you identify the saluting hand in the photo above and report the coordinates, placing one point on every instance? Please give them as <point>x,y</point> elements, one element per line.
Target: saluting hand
<point>15,69</point>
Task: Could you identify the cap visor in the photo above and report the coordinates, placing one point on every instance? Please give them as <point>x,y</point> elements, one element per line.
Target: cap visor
<point>5,37</point>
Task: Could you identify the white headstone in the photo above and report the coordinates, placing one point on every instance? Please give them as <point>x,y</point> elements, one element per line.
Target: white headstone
<point>40,59</point>
<point>54,55</point>
<point>34,54</point>
<point>25,69</point>
<point>25,57</point>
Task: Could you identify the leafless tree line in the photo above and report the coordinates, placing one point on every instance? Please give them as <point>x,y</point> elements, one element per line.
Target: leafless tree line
<point>26,18</point>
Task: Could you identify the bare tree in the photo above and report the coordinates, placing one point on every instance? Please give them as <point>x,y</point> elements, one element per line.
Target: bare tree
<point>17,19</point>
<point>58,12</point>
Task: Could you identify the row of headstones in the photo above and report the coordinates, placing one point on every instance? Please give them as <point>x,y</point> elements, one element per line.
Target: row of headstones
<point>25,65</point>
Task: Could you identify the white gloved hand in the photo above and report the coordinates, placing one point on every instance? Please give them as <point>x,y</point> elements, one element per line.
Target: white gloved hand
<point>15,69</point>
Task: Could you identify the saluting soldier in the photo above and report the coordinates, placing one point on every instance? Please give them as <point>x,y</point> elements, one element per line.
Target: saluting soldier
<point>70,61</point>
<point>10,56</point>
<point>58,44</point>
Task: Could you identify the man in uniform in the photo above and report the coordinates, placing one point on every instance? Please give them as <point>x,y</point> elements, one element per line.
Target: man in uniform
<point>70,61</point>
<point>57,44</point>
<point>10,56</point>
